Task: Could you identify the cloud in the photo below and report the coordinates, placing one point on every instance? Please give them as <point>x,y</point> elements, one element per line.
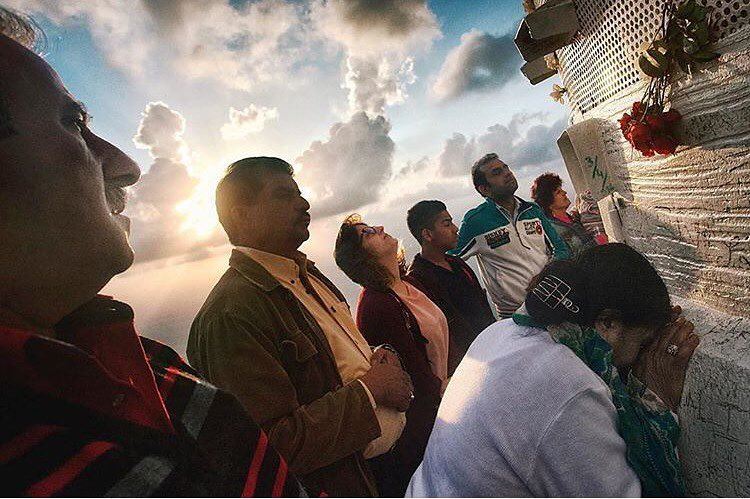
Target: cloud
<point>373,27</point>
<point>377,38</point>
<point>480,62</point>
<point>349,169</point>
<point>157,224</point>
<point>121,29</point>
<point>375,83</point>
<point>523,142</point>
<point>250,120</point>
<point>238,46</point>
<point>412,167</point>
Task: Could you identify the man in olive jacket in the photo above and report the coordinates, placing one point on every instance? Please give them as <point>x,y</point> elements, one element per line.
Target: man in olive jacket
<point>277,333</point>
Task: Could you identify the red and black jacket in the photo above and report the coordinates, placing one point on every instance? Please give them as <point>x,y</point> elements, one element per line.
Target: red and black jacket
<point>78,419</point>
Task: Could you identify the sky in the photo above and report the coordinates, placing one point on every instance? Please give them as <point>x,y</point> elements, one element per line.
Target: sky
<point>376,104</point>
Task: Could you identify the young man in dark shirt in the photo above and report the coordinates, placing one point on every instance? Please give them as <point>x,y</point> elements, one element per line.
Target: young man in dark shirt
<point>447,280</point>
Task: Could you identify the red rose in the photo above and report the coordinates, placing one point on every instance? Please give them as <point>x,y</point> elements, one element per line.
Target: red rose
<point>664,144</point>
<point>625,124</point>
<point>640,137</point>
<point>672,116</point>
<point>655,121</point>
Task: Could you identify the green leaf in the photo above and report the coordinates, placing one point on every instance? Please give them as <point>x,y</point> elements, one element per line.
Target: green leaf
<point>649,68</point>
<point>704,56</point>
<point>685,10</point>
<point>683,62</point>
<point>690,46</point>
<point>699,31</point>
<point>698,14</point>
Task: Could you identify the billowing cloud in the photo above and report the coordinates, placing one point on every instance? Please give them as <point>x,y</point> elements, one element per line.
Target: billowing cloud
<point>247,121</point>
<point>373,27</point>
<point>480,62</point>
<point>523,142</point>
<point>349,169</point>
<point>121,29</point>
<point>239,46</point>
<point>375,83</point>
<point>157,224</point>
<point>377,38</point>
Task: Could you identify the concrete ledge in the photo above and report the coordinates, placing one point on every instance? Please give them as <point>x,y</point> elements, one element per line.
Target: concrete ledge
<point>715,409</point>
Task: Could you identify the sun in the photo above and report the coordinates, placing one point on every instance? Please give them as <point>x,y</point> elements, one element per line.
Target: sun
<point>199,210</point>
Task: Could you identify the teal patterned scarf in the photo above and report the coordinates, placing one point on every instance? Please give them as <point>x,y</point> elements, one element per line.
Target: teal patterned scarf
<point>649,429</point>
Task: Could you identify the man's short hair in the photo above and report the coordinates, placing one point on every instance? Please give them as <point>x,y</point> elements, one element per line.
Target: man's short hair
<point>477,175</point>
<point>242,183</point>
<point>423,215</point>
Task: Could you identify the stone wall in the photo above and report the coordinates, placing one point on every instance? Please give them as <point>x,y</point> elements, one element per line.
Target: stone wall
<point>690,215</point>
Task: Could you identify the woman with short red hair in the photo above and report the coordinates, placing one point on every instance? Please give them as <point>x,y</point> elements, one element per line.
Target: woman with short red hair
<point>548,193</point>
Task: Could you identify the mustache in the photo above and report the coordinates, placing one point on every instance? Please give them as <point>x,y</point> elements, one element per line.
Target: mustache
<point>117,198</point>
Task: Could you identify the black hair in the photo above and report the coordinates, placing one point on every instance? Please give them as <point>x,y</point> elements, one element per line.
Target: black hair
<point>611,276</point>
<point>242,183</point>
<point>423,216</point>
<point>477,175</point>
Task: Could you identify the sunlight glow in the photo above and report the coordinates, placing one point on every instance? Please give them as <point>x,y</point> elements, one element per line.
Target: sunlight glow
<point>199,210</point>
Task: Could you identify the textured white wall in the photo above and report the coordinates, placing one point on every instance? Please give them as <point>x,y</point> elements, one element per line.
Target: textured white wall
<point>690,215</point>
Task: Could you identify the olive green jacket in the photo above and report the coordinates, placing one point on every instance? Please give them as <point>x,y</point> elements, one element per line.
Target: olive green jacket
<point>253,338</point>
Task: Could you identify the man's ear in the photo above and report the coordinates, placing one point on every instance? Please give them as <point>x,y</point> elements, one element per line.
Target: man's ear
<point>426,235</point>
<point>240,214</point>
<point>484,190</point>
<point>609,325</point>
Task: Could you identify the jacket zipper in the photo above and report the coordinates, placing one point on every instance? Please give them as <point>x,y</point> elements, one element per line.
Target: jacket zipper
<point>513,222</point>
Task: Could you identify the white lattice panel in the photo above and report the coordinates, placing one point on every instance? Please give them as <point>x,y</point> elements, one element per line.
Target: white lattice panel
<point>600,62</point>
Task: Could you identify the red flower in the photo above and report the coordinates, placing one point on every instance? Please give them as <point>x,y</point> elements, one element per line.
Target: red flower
<point>640,135</point>
<point>625,124</point>
<point>664,144</point>
<point>650,130</point>
<point>672,116</point>
<point>656,122</point>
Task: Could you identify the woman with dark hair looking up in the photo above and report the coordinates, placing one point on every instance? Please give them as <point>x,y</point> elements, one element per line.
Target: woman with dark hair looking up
<point>575,395</point>
<point>392,310</point>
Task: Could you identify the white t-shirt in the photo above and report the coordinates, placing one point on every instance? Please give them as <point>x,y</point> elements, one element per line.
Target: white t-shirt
<point>523,416</point>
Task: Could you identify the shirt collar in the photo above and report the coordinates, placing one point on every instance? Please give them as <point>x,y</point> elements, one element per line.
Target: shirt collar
<point>284,269</point>
<point>96,353</point>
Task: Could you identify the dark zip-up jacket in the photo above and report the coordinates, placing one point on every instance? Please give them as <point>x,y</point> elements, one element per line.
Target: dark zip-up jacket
<point>459,295</point>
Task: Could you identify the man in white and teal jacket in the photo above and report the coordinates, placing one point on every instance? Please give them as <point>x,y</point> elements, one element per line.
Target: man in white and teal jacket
<point>511,238</point>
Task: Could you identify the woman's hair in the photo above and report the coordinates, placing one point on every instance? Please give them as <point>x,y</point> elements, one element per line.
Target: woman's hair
<point>359,265</point>
<point>611,276</point>
<point>543,190</point>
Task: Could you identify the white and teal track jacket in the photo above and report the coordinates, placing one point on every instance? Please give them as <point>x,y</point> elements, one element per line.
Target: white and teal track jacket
<point>509,253</point>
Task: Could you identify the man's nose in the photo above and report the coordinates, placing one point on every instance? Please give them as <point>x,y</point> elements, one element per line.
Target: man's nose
<point>117,166</point>
<point>304,204</point>
<point>380,229</point>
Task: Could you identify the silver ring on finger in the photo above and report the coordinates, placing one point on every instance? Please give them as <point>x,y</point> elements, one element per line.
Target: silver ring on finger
<point>672,349</point>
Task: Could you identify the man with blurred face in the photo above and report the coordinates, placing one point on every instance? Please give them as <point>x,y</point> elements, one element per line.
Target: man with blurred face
<point>445,279</point>
<point>86,410</point>
<point>279,335</point>
<point>511,238</point>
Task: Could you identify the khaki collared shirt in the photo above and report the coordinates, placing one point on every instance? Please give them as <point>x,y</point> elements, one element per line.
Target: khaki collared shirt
<point>349,347</point>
